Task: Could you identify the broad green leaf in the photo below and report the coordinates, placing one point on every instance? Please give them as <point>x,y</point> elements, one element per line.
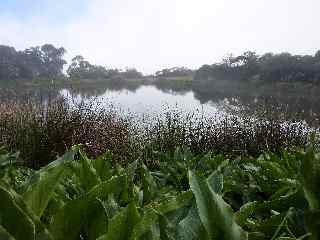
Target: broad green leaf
<point>101,191</point>
<point>8,159</point>
<point>191,228</point>
<point>4,235</point>
<point>13,219</point>
<point>281,204</point>
<point>103,166</point>
<point>145,225</point>
<point>121,225</point>
<point>69,220</point>
<point>313,223</point>
<point>173,203</point>
<point>153,211</point>
<point>41,186</point>
<point>96,220</point>
<point>131,170</point>
<point>311,177</point>
<point>166,228</point>
<point>149,185</point>
<point>76,214</point>
<point>41,232</point>
<point>79,217</point>
<point>87,173</point>
<point>215,214</point>
<point>215,182</point>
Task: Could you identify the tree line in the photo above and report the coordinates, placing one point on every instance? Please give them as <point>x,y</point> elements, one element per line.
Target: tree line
<point>268,67</point>
<point>44,61</point>
<point>47,61</point>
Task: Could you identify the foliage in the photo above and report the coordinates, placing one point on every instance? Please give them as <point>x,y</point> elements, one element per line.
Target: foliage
<point>268,67</point>
<point>273,196</point>
<point>174,72</point>
<point>45,61</point>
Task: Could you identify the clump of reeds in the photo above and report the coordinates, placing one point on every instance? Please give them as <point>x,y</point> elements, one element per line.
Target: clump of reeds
<point>41,132</point>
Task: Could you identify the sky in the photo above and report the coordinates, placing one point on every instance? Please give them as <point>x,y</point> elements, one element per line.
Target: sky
<point>154,34</point>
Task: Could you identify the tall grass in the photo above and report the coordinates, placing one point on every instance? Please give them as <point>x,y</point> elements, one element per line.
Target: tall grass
<point>41,132</point>
<point>231,135</point>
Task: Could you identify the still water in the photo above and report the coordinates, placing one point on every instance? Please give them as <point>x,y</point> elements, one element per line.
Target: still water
<point>148,100</point>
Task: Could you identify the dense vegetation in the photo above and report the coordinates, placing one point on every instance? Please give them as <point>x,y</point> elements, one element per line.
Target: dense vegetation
<point>179,176</point>
<point>206,196</point>
<point>43,131</point>
<point>47,62</point>
<point>268,67</point>
<point>82,69</point>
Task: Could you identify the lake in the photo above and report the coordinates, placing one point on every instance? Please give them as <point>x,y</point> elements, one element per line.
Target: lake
<point>148,100</point>
<point>219,98</point>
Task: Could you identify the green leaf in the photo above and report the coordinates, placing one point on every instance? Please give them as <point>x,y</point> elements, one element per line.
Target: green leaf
<point>311,178</point>
<point>4,235</point>
<point>8,159</point>
<point>313,223</point>
<point>79,217</point>
<point>87,173</point>
<point>121,225</point>
<point>215,214</point>
<point>69,220</point>
<point>13,219</point>
<point>166,228</point>
<point>102,166</point>
<point>146,224</point>
<point>149,185</point>
<point>215,182</point>
<point>40,187</point>
<point>191,228</point>
<point>153,211</point>
<point>101,191</point>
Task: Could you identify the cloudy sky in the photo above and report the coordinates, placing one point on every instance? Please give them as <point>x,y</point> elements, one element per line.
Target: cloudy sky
<point>154,34</point>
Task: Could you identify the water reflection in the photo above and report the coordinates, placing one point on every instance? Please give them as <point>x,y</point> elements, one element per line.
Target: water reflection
<point>147,100</point>
<point>210,99</point>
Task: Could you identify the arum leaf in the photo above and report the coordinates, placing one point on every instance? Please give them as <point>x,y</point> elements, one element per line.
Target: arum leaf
<point>215,214</point>
<point>121,225</point>
<point>40,187</point>
<point>13,219</point>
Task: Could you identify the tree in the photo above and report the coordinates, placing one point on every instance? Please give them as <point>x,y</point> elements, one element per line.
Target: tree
<point>131,73</point>
<point>317,56</point>
<point>52,59</point>
<point>174,72</point>
<point>79,67</point>
<point>8,63</point>
<point>83,69</point>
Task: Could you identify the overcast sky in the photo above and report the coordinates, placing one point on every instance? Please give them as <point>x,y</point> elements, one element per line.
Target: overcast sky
<point>150,35</point>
